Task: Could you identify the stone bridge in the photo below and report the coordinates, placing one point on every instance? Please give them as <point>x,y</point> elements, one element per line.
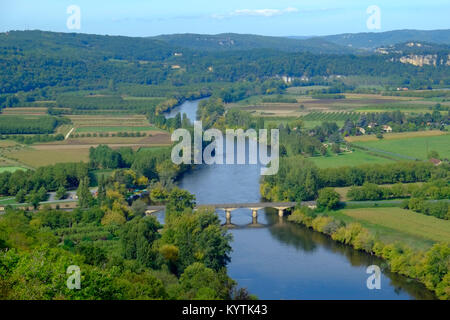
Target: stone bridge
<point>230,207</point>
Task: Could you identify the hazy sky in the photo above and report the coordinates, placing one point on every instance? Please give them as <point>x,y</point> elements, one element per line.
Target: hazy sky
<point>280,17</point>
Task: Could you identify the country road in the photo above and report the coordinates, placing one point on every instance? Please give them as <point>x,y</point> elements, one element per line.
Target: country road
<point>68,134</point>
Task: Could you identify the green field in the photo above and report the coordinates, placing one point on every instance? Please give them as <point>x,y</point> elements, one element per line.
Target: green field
<point>114,129</point>
<point>7,200</point>
<point>412,147</point>
<point>10,169</point>
<point>347,159</point>
<point>331,116</point>
<point>396,224</point>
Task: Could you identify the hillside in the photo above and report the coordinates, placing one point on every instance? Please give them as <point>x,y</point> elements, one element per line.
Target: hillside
<point>31,60</point>
<point>233,41</point>
<point>373,40</point>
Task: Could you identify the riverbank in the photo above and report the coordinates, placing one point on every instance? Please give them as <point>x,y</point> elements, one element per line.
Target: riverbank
<point>420,265</point>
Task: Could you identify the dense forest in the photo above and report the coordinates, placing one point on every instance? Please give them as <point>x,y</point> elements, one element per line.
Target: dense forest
<point>36,60</point>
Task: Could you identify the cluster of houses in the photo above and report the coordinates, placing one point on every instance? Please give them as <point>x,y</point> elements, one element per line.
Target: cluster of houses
<point>373,125</point>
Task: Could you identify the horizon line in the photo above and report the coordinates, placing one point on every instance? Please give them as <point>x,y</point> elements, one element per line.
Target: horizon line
<point>223,33</point>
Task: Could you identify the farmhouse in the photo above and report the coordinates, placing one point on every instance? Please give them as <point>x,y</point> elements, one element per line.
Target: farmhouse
<point>436,162</point>
<point>387,128</point>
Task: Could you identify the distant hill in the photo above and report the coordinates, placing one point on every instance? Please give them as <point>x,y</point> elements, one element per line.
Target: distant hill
<point>62,44</point>
<point>373,40</point>
<point>233,41</point>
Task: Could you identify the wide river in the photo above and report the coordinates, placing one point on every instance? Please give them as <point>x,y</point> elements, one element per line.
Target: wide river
<point>277,259</point>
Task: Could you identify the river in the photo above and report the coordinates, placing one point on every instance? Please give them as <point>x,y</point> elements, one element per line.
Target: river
<point>277,259</point>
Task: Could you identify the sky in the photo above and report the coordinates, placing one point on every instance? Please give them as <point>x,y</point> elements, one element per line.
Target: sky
<point>273,18</point>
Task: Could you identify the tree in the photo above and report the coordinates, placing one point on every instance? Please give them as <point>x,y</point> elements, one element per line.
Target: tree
<point>328,199</point>
<point>101,191</point>
<point>34,199</point>
<point>116,215</point>
<point>433,155</point>
<point>42,194</point>
<point>200,282</point>
<point>179,200</point>
<point>199,237</point>
<point>20,196</point>
<point>111,85</point>
<point>61,193</point>
<point>84,194</point>
<point>137,237</point>
<point>139,207</point>
<point>336,148</point>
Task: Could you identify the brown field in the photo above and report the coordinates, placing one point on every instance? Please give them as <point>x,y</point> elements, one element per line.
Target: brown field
<point>153,138</point>
<point>397,135</point>
<point>30,111</point>
<point>100,120</point>
<point>75,150</point>
<point>7,143</point>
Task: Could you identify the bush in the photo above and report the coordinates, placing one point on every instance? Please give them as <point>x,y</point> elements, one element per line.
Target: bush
<point>328,199</point>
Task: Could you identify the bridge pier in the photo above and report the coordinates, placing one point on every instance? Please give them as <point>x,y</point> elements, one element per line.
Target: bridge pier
<point>255,212</point>
<point>228,215</point>
<point>281,210</point>
<point>255,215</point>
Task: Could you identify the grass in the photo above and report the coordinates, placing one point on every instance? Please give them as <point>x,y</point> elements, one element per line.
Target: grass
<point>413,147</point>
<point>347,159</point>
<point>397,135</point>
<point>11,169</point>
<point>396,224</point>
<point>7,200</point>
<point>7,143</point>
<point>37,158</point>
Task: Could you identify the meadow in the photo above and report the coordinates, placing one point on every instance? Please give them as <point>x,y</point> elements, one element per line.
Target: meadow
<point>11,169</point>
<point>354,158</point>
<point>396,135</point>
<point>417,147</point>
<point>396,224</point>
<point>37,158</point>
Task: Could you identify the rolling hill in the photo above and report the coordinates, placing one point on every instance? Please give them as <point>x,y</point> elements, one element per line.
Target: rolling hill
<point>373,40</point>
<point>233,41</point>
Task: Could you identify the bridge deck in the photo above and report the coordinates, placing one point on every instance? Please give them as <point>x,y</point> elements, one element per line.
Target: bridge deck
<point>241,205</point>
